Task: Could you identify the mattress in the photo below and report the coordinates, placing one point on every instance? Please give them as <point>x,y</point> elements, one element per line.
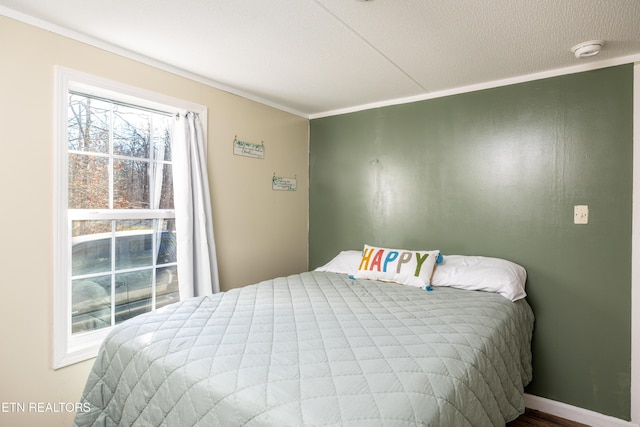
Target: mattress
<point>317,349</point>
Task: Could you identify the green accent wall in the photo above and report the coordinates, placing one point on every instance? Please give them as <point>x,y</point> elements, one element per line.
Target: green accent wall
<point>497,173</point>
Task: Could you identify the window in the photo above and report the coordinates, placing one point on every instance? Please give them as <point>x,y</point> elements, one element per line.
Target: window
<point>115,236</point>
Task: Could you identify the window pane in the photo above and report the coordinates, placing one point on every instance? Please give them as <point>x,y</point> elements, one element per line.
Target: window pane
<point>88,182</point>
<point>91,247</point>
<point>162,138</point>
<point>166,196</point>
<point>131,184</point>
<point>167,249</point>
<point>131,132</point>
<point>134,244</point>
<point>88,125</point>
<point>85,227</point>
<point>119,157</point>
<point>91,304</point>
<point>133,294</point>
<point>166,286</point>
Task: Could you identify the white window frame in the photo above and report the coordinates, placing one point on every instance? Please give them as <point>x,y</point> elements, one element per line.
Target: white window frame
<point>67,348</point>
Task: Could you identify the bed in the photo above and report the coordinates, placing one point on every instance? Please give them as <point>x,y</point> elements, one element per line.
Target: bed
<point>315,349</point>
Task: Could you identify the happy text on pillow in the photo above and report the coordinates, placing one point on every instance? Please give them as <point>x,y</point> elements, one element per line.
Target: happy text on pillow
<point>380,262</point>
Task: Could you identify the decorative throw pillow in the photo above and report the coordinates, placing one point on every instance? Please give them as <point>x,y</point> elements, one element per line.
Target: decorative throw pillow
<point>413,268</point>
<point>480,273</point>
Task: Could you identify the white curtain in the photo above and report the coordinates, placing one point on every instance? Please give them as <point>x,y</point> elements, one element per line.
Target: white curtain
<point>157,175</point>
<point>197,265</point>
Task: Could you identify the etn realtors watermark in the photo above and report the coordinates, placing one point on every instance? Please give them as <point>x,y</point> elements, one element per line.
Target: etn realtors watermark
<point>44,407</point>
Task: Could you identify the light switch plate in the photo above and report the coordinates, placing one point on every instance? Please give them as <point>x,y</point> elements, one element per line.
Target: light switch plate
<point>581,214</point>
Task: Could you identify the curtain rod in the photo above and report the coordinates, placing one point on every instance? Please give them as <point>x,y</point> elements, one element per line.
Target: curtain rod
<point>122,103</point>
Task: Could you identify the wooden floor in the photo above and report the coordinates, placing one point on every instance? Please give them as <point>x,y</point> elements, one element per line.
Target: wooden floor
<point>533,418</point>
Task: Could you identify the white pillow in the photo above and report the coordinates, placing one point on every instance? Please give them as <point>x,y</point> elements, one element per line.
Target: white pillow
<point>413,268</point>
<point>346,262</point>
<point>481,274</point>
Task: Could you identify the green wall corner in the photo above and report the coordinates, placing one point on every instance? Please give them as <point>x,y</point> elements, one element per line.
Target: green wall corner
<point>497,173</point>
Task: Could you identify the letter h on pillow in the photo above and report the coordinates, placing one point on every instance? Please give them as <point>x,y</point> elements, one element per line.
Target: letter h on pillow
<point>413,268</point>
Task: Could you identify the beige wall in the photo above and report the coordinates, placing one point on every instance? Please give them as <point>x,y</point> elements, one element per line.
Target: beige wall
<point>260,233</point>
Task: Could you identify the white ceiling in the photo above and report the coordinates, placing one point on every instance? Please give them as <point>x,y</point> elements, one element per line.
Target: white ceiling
<point>319,57</point>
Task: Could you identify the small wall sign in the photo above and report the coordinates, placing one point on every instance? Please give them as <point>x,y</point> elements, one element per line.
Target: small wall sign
<point>283,184</point>
<point>248,149</point>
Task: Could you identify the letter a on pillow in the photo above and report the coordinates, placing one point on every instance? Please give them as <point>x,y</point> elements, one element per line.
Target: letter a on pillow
<point>413,268</point>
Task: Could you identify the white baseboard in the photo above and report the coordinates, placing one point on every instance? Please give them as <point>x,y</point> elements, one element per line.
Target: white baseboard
<point>574,413</point>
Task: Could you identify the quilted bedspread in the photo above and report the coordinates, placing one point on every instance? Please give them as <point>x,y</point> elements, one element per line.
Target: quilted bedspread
<point>317,349</point>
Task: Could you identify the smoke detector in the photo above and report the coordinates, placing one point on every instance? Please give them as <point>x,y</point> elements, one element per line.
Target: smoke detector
<point>587,49</point>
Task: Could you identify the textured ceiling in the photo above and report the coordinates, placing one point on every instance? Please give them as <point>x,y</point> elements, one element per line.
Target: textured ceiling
<point>315,57</point>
